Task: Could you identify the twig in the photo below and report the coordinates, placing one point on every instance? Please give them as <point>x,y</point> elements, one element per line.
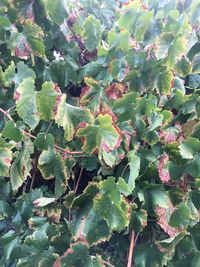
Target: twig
<point>34,137</point>
<point>131,248</point>
<point>124,169</point>
<point>79,178</point>
<point>34,173</point>
<point>107,263</point>
<point>48,129</point>
<point>6,114</point>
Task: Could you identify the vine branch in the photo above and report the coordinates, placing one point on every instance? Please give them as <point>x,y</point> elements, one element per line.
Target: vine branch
<point>131,248</point>
<point>68,152</point>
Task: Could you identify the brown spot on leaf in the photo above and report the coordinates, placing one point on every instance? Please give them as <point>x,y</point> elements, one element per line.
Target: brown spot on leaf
<point>115,90</point>
<point>163,172</point>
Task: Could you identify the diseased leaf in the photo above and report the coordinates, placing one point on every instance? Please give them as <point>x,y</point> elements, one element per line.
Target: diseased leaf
<point>92,95</point>
<point>162,170</point>
<point>102,136</point>
<point>5,157</point>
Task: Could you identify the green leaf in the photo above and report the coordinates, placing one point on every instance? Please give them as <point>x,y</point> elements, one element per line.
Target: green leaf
<point>25,97</point>
<point>196,64</point>
<point>21,165</point>
<point>134,164</point>
<point>43,141</point>
<point>34,35</point>
<point>12,132</point>
<point>4,22</point>
<point>23,71</point>
<point>163,81</point>
<point>110,205</point>
<point>180,217</point>
<point>52,165</point>
<point>128,17</point>
<point>11,244</point>
<point>5,157</point>
<point>78,255</point>
<point>102,135</point>
<point>69,117</point>
<point>183,67</point>
<point>56,10</point>
<point>124,187</point>
<point>138,220</point>
<point>46,100</point>
<point>92,33</point>
<point>189,147</point>
<point>61,176</point>
<point>142,25</point>
<point>170,48</point>
<point>9,74</point>
<point>148,255</point>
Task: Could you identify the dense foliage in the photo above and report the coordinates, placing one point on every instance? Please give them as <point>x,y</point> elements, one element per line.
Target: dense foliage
<point>99,133</point>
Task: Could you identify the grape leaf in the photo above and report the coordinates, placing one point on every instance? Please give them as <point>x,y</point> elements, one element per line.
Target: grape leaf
<point>21,165</point>
<point>12,132</point>
<point>92,33</point>
<point>5,157</point>
<point>92,95</point>
<point>69,117</point>
<point>110,205</point>
<point>46,100</point>
<point>25,97</point>
<point>189,147</point>
<point>52,165</point>
<point>103,136</point>
<point>56,10</point>
<point>163,81</point>
<point>134,163</point>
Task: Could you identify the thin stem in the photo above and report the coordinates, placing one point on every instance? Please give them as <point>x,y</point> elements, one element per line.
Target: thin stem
<point>79,178</point>
<point>34,173</point>
<point>34,137</point>
<point>131,248</point>
<point>6,114</point>
<point>124,169</point>
<point>48,129</point>
<point>107,263</point>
